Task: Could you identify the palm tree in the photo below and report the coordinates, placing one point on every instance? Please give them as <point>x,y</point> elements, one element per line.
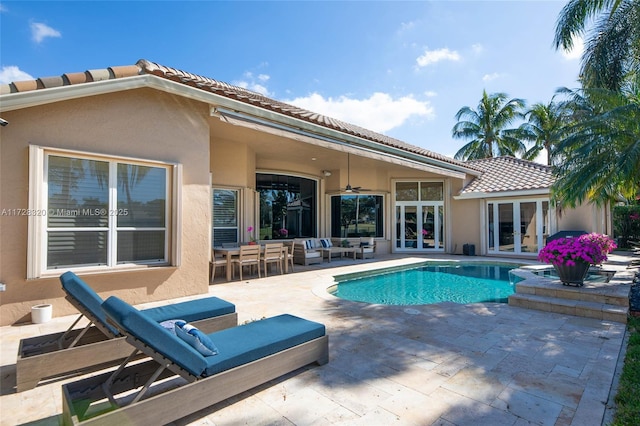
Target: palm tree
<point>612,53</point>
<point>544,126</point>
<point>601,149</point>
<point>487,127</point>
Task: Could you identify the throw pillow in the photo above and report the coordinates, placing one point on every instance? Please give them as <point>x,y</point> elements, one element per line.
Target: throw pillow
<point>170,325</point>
<point>196,338</point>
<point>326,243</point>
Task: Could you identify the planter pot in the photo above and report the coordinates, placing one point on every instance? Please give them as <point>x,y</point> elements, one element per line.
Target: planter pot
<point>252,243</point>
<point>573,275</point>
<point>41,313</point>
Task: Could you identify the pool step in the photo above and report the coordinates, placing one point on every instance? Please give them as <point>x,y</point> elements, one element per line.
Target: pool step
<point>590,301</point>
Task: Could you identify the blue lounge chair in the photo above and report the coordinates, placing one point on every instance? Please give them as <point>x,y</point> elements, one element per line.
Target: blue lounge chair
<point>99,344</point>
<point>179,380</point>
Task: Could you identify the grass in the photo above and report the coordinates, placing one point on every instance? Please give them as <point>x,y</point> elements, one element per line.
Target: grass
<point>628,397</point>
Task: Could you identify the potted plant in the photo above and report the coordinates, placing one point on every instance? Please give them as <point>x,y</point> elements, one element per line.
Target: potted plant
<point>252,240</point>
<point>571,257</point>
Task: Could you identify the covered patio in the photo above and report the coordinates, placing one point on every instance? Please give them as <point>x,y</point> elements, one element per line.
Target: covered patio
<point>446,363</point>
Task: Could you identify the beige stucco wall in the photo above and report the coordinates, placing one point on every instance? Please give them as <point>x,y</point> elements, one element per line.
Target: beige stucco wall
<point>465,225</point>
<point>143,124</point>
<point>587,217</point>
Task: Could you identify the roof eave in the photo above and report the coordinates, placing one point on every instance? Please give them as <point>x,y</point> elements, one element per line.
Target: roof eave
<point>501,194</point>
<point>13,101</point>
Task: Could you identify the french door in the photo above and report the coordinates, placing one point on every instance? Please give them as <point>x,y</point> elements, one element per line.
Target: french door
<point>517,226</point>
<point>420,226</point>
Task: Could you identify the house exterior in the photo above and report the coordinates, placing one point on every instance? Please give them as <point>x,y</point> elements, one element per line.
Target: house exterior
<point>129,175</point>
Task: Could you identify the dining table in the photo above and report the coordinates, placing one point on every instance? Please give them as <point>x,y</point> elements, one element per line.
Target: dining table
<point>230,252</point>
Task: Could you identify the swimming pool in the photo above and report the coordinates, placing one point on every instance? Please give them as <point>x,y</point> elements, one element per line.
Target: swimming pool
<point>429,282</point>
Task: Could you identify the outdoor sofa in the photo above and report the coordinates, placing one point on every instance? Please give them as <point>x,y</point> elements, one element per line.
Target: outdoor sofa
<point>180,380</point>
<point>307,251</point>
<point>99,344</point>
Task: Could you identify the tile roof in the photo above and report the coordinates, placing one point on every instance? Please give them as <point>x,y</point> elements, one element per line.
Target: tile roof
<point>223,89</point>
<point>509,174</point>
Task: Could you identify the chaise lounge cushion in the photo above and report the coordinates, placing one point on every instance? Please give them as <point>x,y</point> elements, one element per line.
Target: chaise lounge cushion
<point>143,328</point>
<point>190,311</point>
<point>258,339</point>
<point>86,297</point>
<point>237,345</point>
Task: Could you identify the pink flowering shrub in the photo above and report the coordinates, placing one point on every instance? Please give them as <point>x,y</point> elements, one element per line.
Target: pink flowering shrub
<point>591,248</point>
<point>606,244</point>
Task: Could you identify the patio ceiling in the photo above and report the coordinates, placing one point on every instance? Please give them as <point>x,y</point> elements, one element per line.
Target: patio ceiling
<point>269,141</point>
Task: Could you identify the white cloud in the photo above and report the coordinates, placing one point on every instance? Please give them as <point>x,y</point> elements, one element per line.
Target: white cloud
<point>380,112</point>
<point>40,31</point>
<point>577,50</point>
<point>430,93</point>
<point>255,87</point>
<point>406,26</point>
<point>12,73</point>
<point>477,48</point>
<point>489,77</point>
<point>254,83</point>
<point>433,56</point>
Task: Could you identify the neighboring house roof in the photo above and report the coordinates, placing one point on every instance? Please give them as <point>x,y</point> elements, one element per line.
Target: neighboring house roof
<point>144,67</point>
<point>508,176</point>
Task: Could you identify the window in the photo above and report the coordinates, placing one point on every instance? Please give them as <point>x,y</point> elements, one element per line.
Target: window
<point>356,216</point>
<point>225,217</point>
<point>101,213</point>
<point>288,206</point>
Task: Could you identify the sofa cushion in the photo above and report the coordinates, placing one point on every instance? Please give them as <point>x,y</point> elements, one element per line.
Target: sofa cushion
<point>369,241</point>
<point>258,339</point>
<point>312,254</point>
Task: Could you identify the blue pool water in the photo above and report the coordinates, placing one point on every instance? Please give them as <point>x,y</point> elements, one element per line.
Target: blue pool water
<point>427,283</point>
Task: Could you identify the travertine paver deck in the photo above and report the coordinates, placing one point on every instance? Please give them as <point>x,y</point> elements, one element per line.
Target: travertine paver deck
<point>443,364</point>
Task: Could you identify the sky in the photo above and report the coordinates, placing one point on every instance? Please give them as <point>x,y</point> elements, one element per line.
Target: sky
<point>399,68</point>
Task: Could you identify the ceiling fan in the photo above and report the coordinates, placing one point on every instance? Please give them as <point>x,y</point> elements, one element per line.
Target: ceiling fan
<point>349,188</point>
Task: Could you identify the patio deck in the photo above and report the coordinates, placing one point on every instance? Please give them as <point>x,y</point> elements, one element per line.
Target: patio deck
<point>444,364</point>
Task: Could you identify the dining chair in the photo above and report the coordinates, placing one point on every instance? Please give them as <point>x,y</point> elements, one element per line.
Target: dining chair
<point>215,262</point>
<point>249,256</point>
<point>272,254</point>
<point>289,254</point>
